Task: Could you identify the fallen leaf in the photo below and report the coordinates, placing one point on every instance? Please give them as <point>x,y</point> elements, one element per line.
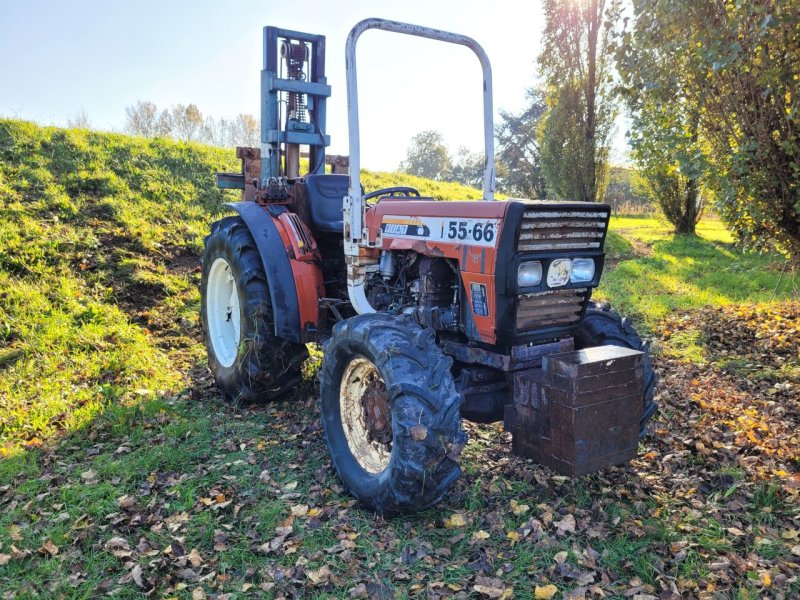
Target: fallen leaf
<point>195,558</point>
<point>560,557</point>
<point>14,533</point>
<point>220,541</point>
<point>48,548</point>
<point>138,577</point>
<point>299,510</point>
<point>320,576</point>
<point>17,554</point>
<point>566,525</point>
<point>519,509</point>
<point>118,546</point>
<point>545,592</point>
<point>455,520</point>
<point>126,501</point>
<point>766,579</point>
<point>4,558</point>
<point>480,535</point>
<point>360,591</point>
<point>578,593</point>
<point>188,575</point>
<point>491,587</point>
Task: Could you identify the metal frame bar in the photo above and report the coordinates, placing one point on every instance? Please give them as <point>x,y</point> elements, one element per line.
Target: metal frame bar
<point>353,208</point>
<point>433,34</point>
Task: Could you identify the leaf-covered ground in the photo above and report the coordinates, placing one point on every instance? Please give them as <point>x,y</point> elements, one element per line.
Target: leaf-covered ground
<point>124,474</point>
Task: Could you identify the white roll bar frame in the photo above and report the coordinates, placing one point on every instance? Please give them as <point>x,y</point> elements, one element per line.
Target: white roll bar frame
<point>354,232</point>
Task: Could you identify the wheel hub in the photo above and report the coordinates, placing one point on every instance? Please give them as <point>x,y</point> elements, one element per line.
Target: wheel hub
<point>375,403</point>
<point>222,312</point>
<point>366,415</point>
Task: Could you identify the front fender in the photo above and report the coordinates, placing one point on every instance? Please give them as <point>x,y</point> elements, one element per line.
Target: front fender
<point>280,279</point>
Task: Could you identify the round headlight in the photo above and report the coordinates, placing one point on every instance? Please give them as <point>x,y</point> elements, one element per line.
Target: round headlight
<point>529,274</point>
<point>582,270</point>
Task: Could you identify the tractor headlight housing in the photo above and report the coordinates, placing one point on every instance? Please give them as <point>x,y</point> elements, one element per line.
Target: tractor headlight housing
<point>529,274</point>
<point>582,270</point>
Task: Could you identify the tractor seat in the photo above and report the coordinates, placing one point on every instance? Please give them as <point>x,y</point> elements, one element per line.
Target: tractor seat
<point>324,197</point>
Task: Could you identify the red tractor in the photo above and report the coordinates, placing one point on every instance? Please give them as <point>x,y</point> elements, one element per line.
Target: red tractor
<point>428,312</point>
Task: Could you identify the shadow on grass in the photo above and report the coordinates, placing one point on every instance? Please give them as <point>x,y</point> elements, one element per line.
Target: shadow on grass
<point>686,272</point>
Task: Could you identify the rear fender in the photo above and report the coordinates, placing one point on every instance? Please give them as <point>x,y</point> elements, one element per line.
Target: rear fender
<point>277,244</point>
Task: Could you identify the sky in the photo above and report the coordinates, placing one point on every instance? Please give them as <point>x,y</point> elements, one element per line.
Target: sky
<point>59,58</point>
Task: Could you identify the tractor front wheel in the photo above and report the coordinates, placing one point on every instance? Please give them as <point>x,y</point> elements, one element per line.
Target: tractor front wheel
<point>390,413</point>
<point>249,362</point>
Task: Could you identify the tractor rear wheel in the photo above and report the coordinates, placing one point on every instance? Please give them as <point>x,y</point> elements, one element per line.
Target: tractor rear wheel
<point>249,363</point>
<point>390,413</point>
<point>604,327</point>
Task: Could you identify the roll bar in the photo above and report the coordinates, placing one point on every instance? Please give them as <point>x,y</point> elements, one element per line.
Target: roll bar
<point>433,34</point>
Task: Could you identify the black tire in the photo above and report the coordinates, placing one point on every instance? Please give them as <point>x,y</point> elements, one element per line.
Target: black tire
<point>604,327</point>
<point>265,366</point>
<point>423,462</point>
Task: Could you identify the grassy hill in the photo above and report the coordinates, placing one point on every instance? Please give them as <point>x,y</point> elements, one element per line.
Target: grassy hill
<point>99,236</point>
<point>122,472</point>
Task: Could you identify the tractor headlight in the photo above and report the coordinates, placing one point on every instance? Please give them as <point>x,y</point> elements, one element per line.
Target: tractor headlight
<point>582,270</point>
<point>529,274</point>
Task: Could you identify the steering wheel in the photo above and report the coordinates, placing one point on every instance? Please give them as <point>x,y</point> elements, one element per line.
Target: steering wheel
<point>398,191</point>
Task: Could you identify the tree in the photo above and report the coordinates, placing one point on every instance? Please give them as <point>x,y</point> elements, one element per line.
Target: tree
<point>750,59</point>
<point>144,119</point>
<point>716,84</point>
<point>187,122</point>
<point>665,98</point>
<point>576,127</point>
<point>79,121</point>
<point>245,131</point>
<point>217,132</point>
<point>519,164</point>
<point>467,168</point>
<point>627,189</point>
<point>427,156</point>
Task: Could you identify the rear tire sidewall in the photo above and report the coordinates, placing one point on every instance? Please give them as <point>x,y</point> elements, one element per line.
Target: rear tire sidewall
<point>227,376</point>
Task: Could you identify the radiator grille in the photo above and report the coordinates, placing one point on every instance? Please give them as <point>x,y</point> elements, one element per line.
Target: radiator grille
<point>543,230</point>
<point>554,308</point>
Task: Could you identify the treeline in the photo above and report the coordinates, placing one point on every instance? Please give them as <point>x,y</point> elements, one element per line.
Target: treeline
<point>713,97</point>
<point>186,123</point>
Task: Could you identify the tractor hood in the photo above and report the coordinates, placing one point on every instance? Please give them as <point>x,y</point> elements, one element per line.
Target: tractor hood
<point>399,222</point>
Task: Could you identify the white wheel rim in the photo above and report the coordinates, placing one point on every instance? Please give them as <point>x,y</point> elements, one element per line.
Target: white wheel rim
<point>222,312</point>
<point>360,379</point>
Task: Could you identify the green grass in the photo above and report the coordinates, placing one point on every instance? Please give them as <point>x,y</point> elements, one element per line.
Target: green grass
<point>104,396</point>
<point>99,239</point>
<point>660,273</point>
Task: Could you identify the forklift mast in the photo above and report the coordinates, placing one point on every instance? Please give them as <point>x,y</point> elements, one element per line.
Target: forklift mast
<point>294,92</point>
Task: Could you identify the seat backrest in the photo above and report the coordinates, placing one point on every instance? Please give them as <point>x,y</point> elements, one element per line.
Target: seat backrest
<point>324,196</point>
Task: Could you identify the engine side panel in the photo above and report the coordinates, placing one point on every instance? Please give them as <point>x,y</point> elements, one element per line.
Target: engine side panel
<point>467,232</point>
